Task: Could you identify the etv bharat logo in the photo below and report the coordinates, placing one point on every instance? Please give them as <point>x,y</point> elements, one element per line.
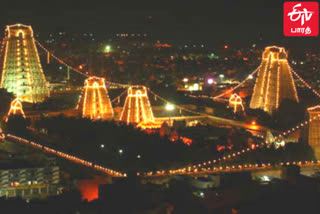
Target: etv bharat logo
<point>301,18</point>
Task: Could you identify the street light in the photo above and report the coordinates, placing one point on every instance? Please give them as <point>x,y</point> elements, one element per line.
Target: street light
<point>210,81</point>
<point>196,86</point>
<point>169,107</point>
<point>108,48</point>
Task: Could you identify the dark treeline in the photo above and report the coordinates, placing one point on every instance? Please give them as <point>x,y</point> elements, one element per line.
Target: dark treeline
<point>115,145</point>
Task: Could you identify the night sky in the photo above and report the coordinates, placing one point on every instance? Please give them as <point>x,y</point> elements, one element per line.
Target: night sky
<point>211,22</point>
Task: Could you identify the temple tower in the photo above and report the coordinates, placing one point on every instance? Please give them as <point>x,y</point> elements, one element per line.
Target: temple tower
<point>274,82</point>
<point>314,130</point>
<point>95,102</point>
<point>22,73</point>
<point>137,106</point>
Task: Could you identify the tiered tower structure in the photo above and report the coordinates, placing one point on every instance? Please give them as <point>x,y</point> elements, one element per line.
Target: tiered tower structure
<point>274,82</point>
<point>22,73</point>
<point>314,130</point>
<point>95,102</point>
<point>137,106</point>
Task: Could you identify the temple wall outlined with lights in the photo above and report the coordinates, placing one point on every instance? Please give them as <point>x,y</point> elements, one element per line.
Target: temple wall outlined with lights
<point>137,106</point>
<point>95,102</point>
<point>274,82</point>
<point>22,73</point>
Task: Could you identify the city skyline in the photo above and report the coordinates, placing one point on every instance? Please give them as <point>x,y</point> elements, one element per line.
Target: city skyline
<point>191,107</point>
<point>240,23</point>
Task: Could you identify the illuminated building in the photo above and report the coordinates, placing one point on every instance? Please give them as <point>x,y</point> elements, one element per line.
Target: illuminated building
<point>22,73</point>
<point>274,82</point>
<point>137,107</point>
<point>150,125</point>
<point>95,102</point>
<point>314,130</point>
<point>236,102</point>
<point>17,180</point>
<point>16,108</point>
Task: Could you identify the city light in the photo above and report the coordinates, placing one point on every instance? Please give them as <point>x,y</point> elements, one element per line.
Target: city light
<point>265,178</point>
<point>169,107</point>
<point>137,109</point>
<point>107,48</point>
<point>194,87</point>
<point>210,81</point>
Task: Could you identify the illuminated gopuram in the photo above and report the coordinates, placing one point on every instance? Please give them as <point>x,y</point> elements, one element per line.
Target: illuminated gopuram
<point>274,82</point>
<point>314,130</point>
<point>137,107</point>
<point>22,73</point>
<point>95,102</point>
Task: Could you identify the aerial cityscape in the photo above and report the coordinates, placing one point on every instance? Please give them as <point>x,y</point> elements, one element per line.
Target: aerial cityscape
<point>164,108</point>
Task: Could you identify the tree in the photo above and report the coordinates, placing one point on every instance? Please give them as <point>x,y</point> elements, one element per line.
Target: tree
<point>6,99</point>
<point>289,114</point>
<point>262,117</point>
<point>17,125</point>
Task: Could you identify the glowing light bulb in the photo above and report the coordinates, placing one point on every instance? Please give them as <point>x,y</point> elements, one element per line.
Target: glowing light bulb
<point>169,107</point>
<point>210,81</point>
<point>107,48</point>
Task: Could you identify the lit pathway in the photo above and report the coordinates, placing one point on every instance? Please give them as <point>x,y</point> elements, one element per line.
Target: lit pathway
<point>72,158</point>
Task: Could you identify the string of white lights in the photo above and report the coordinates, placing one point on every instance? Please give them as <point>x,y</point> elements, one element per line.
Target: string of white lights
<point>304,82</point>
<point>75,69</point>
<point>118,97</point>
<point>178,107</point>
<point>240,84</point>
<point>218,97</point>
<point>200,166</point>
<point>230,168</point>
<point>72,158</point>
<point>60,60</point>
<point>207,97</point>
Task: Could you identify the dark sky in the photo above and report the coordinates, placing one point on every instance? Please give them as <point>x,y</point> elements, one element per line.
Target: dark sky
<point>208,21</point>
